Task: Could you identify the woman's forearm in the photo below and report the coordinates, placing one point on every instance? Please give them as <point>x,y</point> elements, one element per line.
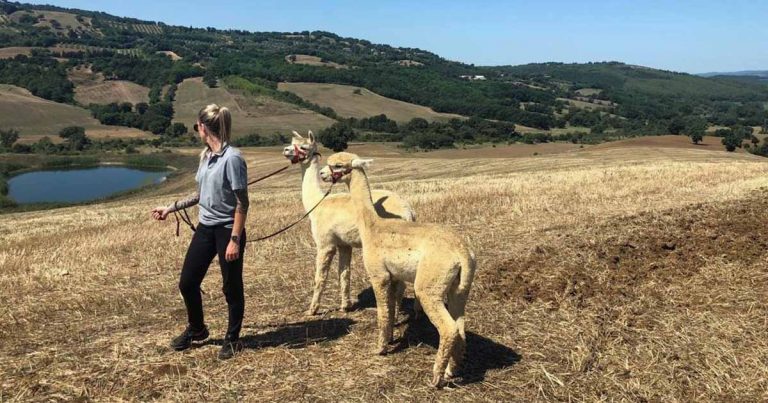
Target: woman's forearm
<point>186,202</point>
<point>241,211</point>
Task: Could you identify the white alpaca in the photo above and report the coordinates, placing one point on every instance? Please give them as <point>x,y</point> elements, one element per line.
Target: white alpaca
<point>433,257</point>
<point>333,221</point>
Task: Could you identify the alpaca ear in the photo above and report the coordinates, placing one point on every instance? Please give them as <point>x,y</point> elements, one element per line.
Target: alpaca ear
<point>361,163</point>
<point>311,136</point>
<point>297,136</point>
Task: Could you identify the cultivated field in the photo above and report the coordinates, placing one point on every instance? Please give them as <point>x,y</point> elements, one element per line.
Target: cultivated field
<point>344,100</point>
<point>170,54</point>
<point>616,274</point>
<point>36,117</point>
<point>92,88</point>
<point>250,114</point>
<point>13,51</point>
<point>312,61</point>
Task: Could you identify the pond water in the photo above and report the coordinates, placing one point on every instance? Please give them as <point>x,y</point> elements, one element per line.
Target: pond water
<point>79,185</point>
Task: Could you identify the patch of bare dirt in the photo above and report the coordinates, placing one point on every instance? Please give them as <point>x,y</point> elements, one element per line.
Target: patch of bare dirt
<point>610,263</point>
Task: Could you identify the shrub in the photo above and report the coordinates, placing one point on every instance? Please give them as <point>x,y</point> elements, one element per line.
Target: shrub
<point>337,136</point>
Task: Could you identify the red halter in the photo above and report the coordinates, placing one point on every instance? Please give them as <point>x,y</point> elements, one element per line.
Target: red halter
<point>298,154</point>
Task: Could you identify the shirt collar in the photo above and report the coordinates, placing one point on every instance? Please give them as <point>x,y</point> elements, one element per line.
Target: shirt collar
<point>221,152</point>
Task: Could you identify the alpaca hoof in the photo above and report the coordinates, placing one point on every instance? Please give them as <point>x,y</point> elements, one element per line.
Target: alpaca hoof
<point>346,308</point>
<point>312,312</point>
<point>450,373</point>
<point>437,381</point>
<point>381,350</point>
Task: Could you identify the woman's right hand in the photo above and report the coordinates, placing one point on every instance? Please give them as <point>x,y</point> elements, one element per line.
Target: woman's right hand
<point>159,213</point>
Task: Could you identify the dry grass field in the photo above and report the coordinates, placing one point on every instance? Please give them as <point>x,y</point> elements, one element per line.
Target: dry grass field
<point>92,88</point>
<point>263,115</point>
<point>633,273</point>
<point>170,54</point>
<point>313,61</point>
<point>344,100</point>
<point>33,115</point>
<point>36,117</point>
<point>13,51</point>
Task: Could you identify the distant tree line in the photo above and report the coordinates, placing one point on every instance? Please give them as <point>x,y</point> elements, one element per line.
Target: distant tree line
<point>156,118</point>
<point>42,76</point>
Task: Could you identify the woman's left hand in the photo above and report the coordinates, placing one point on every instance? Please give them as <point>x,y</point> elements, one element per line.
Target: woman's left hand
<point>233,251</point>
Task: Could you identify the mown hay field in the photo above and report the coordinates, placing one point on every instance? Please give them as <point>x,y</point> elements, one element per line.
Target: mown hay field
<point>250,114</point>
<point>623,274</point>
<point>35,117</point>
<point>347,102</point>
<point>93,88</point>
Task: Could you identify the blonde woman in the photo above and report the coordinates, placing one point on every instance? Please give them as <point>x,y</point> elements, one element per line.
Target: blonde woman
<point>222,196</point>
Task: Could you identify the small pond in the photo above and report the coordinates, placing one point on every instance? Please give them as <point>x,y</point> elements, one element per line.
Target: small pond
<point>79,185</point>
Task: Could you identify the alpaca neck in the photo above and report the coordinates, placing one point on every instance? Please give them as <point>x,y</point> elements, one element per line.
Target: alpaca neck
<point>311,191</point>
<point>360,194</point>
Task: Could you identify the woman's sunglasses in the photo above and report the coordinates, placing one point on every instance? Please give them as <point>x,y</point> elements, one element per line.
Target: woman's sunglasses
<point>195,127</point>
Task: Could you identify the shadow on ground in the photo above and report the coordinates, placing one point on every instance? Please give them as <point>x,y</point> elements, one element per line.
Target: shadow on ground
<point>297,335</point>
<point>365,299</point>
<point>483,354</point>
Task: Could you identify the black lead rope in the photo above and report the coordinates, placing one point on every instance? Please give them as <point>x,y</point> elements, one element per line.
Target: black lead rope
<point>268,175</point>
<point>188,221</point>
<point>184,216</point>
<point>297,221</point>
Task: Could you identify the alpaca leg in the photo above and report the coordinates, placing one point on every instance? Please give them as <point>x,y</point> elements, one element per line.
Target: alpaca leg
<point>382,289</point>
<point>322,264</point>
<point>449,334</point>
<point>417,310</point>
<point>432,284</point>
<point>392,303</point>
<point>457,302</point>
<point>399,294</point>
<point>345,259</point>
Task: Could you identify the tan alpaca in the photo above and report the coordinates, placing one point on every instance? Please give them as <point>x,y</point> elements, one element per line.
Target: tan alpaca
<point>433,257</point>
<point>333,221</point>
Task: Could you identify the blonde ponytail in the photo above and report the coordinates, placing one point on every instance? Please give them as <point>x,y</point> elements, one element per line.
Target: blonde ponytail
<point>218,122</point>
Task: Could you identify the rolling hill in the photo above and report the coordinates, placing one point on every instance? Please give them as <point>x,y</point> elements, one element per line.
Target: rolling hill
<point>349,101</point>
<point>250,114</point>
<point>35,117</point>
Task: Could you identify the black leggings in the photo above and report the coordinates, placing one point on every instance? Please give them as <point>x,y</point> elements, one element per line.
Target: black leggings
<point>206,243</point>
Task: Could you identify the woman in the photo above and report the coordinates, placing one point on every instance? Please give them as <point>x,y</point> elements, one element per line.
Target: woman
<point>222,196</point>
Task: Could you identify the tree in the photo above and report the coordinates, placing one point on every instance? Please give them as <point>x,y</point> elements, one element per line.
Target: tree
<point>44,146</point>
<point>696,128</point>
<point>676,126</point>
<point>337,136</point>
<point>76,138</point>
<point>8,137</point>
<point>210,79</point>
<point>177,129</point>
<point>141,107</point>
<point>732,141</point>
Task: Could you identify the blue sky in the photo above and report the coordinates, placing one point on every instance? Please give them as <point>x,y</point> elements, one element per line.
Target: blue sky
<point>689,36</point>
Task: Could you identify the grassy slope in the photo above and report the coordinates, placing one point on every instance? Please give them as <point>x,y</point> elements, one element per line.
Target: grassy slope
<point>263,115</point>
<point>35,117</point>
<point>346,103</point>
<point>572,300</point>
<point>93,88</point>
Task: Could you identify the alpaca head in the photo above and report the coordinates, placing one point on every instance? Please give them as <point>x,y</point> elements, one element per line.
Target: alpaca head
<point>302,149</point>
<point>340,165</point>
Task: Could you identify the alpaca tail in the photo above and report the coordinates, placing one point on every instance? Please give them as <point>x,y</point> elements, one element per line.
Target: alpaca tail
<point>467,273</point>
<point>458,301</point>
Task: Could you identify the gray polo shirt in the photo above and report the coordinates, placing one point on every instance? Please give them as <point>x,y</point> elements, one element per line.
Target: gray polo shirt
<point>218,176</point>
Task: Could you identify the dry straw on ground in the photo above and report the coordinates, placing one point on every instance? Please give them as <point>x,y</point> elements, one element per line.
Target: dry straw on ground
<point>632,274</point>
